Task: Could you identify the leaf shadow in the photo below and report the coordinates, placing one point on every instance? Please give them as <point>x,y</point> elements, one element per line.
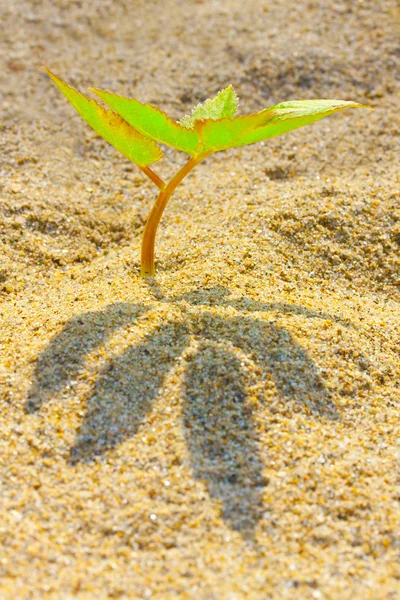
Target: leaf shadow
<point>64,358</point>
<point>125,390</point>
<point>219,424</point>
<point>221,437</point>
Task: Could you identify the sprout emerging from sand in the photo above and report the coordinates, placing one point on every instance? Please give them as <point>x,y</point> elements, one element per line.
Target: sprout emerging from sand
<point>134,129</point>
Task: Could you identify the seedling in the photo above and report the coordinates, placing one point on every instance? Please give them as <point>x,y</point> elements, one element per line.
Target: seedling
<point>134,129</point>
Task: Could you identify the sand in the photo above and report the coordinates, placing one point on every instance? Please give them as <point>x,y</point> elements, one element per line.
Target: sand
<point>230,428</point>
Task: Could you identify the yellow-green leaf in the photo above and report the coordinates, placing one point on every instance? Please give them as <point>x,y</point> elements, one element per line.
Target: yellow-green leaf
<point>223,106</point>
<point>287,116</point>
<point>222,134</point>
<point>151,121</point>
<point>117,132</point>
<point>271,122</point>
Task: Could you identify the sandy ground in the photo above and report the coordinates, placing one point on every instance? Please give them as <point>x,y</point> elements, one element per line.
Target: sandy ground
<point>229,429</point>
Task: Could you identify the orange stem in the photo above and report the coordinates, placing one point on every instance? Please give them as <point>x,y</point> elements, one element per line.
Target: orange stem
<point>147,268</point>
<point>154,177</point>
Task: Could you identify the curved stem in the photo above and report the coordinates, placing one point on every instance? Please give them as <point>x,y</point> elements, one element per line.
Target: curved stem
<point>147,267</point>
<point>154,177</point>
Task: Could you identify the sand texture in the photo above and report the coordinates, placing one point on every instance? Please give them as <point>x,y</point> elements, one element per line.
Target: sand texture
<point>227,430</point>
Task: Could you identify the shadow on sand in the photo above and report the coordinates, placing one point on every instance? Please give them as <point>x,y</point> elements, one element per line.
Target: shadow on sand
<point>217,416</point>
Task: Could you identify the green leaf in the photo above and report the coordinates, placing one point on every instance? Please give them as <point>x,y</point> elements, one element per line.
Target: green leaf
<point>271,122</point>
<point>287,116</point>
<point>222,134</point>
<point>151,121</point>
<point>223,105</point>
<point>130,142</point>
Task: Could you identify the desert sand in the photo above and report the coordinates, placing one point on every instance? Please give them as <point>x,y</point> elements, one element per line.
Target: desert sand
<point>229,429</point>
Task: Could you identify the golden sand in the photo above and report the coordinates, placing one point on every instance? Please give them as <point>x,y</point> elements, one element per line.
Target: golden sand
<point>229,429</point>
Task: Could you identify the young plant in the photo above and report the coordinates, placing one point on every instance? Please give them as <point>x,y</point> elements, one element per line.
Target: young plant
<point>134,129</point>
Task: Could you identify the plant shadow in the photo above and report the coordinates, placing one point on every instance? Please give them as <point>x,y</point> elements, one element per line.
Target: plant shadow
<point>218,417</point>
